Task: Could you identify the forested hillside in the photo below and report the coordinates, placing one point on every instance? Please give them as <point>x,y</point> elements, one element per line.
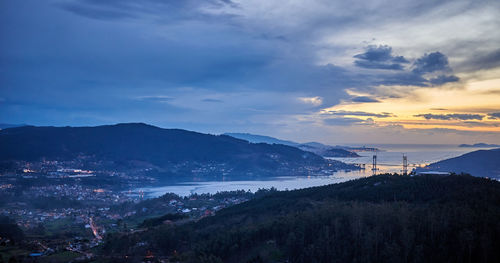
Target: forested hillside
<point>130,144</point>
<point>384,218</point>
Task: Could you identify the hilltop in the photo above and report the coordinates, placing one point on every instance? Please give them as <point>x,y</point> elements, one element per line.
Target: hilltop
<point>384,218</point>
<point>481,163</point>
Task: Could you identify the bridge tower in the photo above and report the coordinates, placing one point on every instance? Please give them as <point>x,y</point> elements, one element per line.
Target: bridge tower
<point>405,164</point>
<point>374,165</point>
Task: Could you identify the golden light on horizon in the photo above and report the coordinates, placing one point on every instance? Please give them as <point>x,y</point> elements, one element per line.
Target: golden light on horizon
<point>476,98</point>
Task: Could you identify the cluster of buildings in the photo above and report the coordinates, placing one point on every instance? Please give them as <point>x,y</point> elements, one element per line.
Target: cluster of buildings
<point>86,213</point>
<point>72,170</point>
<point>79,193</point>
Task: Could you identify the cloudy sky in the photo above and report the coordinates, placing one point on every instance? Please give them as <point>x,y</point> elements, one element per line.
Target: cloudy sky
<point>329,71</point>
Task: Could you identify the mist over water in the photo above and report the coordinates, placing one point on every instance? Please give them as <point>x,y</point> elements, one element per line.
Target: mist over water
<point>389,160</point>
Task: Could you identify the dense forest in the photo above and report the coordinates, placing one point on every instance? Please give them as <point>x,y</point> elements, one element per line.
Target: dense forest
<point>384,218</point>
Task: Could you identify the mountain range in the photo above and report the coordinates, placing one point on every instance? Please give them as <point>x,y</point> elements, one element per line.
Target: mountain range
<point>153,147</point>
<point>315,147</point>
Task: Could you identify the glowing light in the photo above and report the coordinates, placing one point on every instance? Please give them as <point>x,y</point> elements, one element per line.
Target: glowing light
<point>316,101</point>
<point>477,98</point>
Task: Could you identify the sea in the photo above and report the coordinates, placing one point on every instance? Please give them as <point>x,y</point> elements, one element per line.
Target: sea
<point>389,160</point>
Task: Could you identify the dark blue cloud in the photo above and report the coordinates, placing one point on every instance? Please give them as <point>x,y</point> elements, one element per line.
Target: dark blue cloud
<point>454,116</point>
<point>361,113</point>
<point>365,99</point>
<point>442,79</point>
<point>494,115</point>
<point>379,57</point>
<point>435,61</point>
<point>377,65</point>
<point>380,54</point>
<point>481,60</point>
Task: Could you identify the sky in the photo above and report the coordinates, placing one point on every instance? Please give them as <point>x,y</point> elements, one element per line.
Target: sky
<point>337,72</point>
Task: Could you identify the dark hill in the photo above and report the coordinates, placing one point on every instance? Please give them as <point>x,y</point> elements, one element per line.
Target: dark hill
<point>261,139</point>
<point>385,218</point>
<point>314,147</point>
<point>480,145</point>
<point>8,125</point>
<point>334,152</point>
<point>482,163</point>
<point>123,143</point>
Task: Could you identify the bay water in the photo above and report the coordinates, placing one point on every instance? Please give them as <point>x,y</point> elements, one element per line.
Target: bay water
<point>389,160</point>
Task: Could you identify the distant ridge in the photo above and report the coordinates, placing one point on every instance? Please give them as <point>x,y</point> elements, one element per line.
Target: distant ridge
<point>315,147</point>
<point>261,139</point>
<point>481,163</point>
<point>8,125</point>
<point>480,145</point>
<point>172,150</point>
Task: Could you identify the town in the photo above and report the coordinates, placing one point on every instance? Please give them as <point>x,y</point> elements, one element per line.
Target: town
<point>68,218</point>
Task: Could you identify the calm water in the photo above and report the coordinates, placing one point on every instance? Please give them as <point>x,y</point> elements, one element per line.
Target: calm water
<point>389,159</point>
<point>280,183</point>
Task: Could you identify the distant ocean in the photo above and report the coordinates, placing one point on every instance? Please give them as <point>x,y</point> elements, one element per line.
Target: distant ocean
<point>389,160</point>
